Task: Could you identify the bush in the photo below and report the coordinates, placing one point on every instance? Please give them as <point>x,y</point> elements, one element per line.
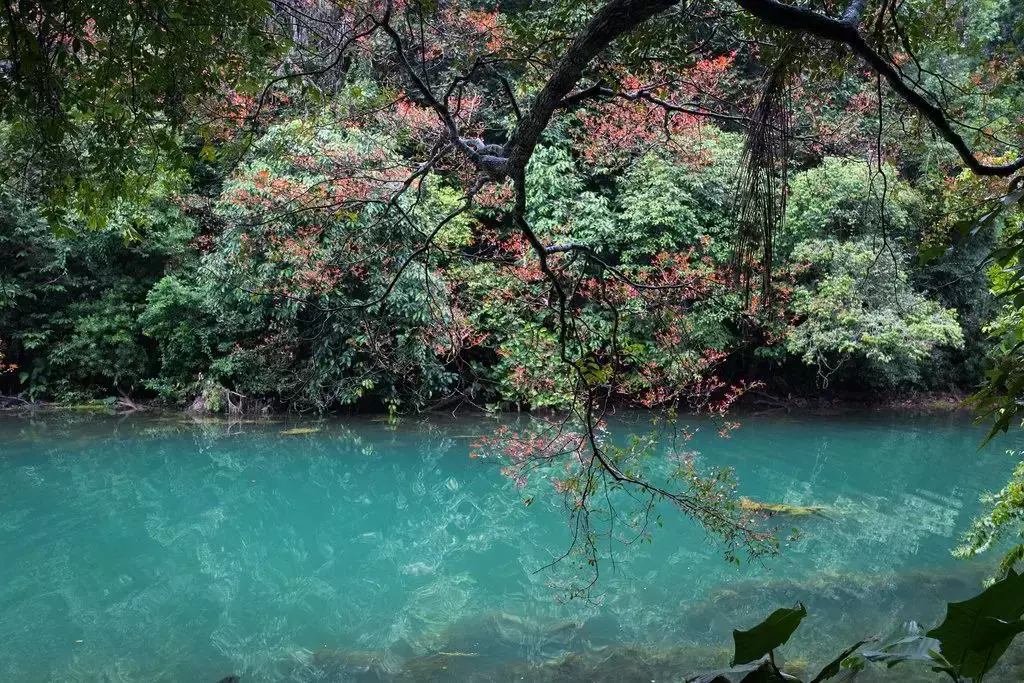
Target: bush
<point>855,304</point>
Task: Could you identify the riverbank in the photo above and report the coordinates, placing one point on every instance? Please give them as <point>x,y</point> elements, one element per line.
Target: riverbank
<point>925,402</point>
<point>754,403</point>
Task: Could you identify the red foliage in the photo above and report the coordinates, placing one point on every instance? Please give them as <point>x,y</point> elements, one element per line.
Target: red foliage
<point>5,366</point>
<point>628,126</point>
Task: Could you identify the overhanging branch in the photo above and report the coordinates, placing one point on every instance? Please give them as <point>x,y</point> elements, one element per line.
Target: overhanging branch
<point>600,90</point>
<point>845,32</point>
<point>614,19</point>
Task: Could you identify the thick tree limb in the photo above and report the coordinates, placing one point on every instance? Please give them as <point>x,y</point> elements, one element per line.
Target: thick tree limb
<point>616,18</point>
<point>845,32</point>
<point>619,17</point>
<point>493,166</point>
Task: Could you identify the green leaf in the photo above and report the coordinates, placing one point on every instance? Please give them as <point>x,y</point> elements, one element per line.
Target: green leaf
<point>930,252</point>
<point>912,646</point>
<point>592,371</point>
<point>832,669</point>
<point>976,632</point>
<point>991,630</point>
<point>1006,201</point>
<point>766,673</point>
<point>768,635</point>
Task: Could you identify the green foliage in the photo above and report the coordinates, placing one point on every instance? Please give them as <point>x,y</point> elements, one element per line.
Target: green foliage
<point>272,311</point>
<point>94,88</point>
<point>100,344</point>
<point>965,646</point>
<point>185,327</point>
<point>858,305</point>
<point>1006,517</point>
<point>558,197</point>
<point>528,371</point>
<point>771,633</point>
<point>976,632</point>
<point>656,211</point>
<point>657,205</point>
<point>999,400</point>
<point>911,645</point>
<point>210,249</point>
<point>841,199</point>
<point>72,305</point>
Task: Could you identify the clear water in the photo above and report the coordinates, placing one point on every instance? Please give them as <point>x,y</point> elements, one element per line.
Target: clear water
<point>155,549</point>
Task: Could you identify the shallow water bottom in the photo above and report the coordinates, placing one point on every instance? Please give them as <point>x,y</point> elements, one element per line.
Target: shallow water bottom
<point>154,549</point>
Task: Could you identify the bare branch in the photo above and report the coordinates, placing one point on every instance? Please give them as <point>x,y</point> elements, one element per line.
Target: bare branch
<point>599,90</point>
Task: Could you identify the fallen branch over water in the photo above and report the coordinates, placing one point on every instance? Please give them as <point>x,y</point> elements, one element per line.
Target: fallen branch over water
<point>773,509</point>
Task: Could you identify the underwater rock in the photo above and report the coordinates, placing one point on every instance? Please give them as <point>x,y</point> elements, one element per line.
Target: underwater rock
<point>446,666</point>
<point>609,664</point>
<point>494,634</point>
<point>621,663</point>
<point>504,636</point>
<point>618,663</point>
<point>361,666</point>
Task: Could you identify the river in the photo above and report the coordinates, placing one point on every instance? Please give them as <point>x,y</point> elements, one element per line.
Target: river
<point>155,548</point>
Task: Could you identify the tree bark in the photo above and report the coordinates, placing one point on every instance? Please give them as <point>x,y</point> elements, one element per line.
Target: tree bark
<point>611,21</point>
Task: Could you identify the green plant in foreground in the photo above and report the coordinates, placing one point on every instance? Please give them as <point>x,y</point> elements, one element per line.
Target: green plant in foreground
<point>965,646</point>
<point>1003,519</point>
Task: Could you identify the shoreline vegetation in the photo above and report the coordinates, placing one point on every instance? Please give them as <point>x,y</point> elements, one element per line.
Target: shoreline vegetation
<point>344,251</point>
<point>754,403</point>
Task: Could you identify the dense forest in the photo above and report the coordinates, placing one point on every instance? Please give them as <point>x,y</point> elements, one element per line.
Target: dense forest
<point>288,225</point>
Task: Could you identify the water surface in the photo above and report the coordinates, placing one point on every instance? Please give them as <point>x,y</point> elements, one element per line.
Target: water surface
<point>154,549</point>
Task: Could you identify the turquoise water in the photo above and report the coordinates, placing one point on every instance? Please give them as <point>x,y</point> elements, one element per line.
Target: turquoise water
<point>155,549</point>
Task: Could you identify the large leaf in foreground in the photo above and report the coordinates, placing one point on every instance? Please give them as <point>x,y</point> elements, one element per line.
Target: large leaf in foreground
<point>912,646</point>
<point>759,671</point>
<point>768,635</point>
<point>976,632</point>
<point>832,668</point>
<point>735,674</point>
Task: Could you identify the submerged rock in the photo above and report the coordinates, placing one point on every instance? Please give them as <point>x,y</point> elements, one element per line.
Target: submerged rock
<point>498,646</point>
<point>504,636</point>
<point>360,666</point>
<point>610,664</point>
